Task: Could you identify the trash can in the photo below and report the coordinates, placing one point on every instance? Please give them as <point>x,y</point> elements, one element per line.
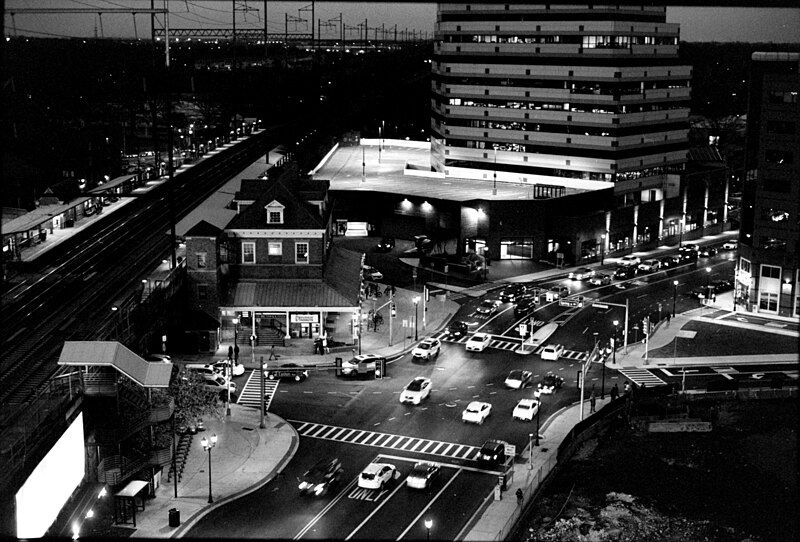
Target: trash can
<point>174,517</point>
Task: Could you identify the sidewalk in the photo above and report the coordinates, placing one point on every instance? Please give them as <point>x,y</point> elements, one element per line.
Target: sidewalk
<point>498,517</point>
<point>244,459</point>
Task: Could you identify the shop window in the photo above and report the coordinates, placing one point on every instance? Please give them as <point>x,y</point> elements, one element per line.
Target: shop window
<point>744,265</point>
<point>301,252</point>
<point>770,272</point>
<point>274,248</point>
<point>201,259</point>
<point>768,302</point>
<point>248,252</point>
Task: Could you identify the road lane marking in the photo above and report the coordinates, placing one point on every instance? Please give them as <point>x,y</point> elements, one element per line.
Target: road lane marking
<point>375,511</point>
<point>322,512</point>
<point>415,521</point>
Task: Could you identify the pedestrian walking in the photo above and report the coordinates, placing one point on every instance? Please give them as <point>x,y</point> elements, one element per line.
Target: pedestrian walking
<point>520,496</point>
<point>272,353</point>
<point>236,353</point>
<point>614,391</point>
<point>592,401</point>
<point>230,352</point>
<point>325,348</point>
<point>668,317</point>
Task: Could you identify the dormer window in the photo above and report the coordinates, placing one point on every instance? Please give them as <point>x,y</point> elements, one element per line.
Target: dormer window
<point>274,213</point>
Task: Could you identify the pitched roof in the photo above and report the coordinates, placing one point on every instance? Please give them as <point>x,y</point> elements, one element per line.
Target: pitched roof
<point>203,229</point>
<point>308,294</point>
<point>113,354</point>
<point>297,214</point>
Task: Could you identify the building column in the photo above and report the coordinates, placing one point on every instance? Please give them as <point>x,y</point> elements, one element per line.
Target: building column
<point>661,219</point>
<point>705,207</point>
<point>288,335</point>
<point>607,241</point>
<point>725,200</point>
<point>634,240</point>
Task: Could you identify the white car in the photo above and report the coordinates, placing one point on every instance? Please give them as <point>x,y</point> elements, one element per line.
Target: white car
<point>222,367</point>
<point>428,348</point>
<point>371,273</point>
<point>730,245</point>
<point>630,261</point>
<point>217,383</point>
<point>376,475</point>
<point>416,391</point>
<point>517,379</point>
<point>650,266</point>
<point>202,369</point>
<point>476,412</point>
<point>552,352</point>
<point>525,410</point>
<point>478,342</point>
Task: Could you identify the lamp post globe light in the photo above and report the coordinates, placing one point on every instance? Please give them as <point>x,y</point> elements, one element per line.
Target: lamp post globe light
<point>708,284</point>
<point>428,525</point>
<point>416,317</point>
<point>674,296</point>
<point>614,349</point>
<point>208,445</point>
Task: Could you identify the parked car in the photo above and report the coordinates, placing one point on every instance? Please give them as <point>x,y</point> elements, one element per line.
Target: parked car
<point>668,262</point>
<point>428,348</point>
<point>687,254</point>
<point>650,266</point>
<point>582,273</point>
<point>202,369</point>
<point>525,410</point>
<point>223,366</point>
<point>600,279</point>
<point>416,391</point>
<point>476,412</point>
<point>492,453</point>
<point>288,371</point>
<point>487,307</point>
<point>623,273</point>
<point>690,246</point>
<point>552,352</point>
<point>361,364</point>
<point>478,342</point>
<point>377,475</point>
<point>630,261</point>
<point>549,384</point>
<point>722,285</point>
<point>163,358</point>
<point>386,244</point>
<point>319,478</point>
<point>730,245</point>
<point>707,252</point>
<point>218,383</point>
<point>423,475</point>
<point>518,379</point>
<point>457,329</point>
<point>512,293</point>
<point>371,273</point>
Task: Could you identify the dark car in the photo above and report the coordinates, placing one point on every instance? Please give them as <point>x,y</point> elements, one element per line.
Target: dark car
<point>457,329</point>
<point>423,475</point>
<point>549,384</point>
<point>386,244</point>
<point>625,272</point>
<point>687,253</point>
<point>525,305</point>
<point>492,453</point>
<point>707,252</point>
<point>669,261</point>
<point>319,478</point>
<point>288,371</point>
<point>721,286</point>
<point>511,293</point>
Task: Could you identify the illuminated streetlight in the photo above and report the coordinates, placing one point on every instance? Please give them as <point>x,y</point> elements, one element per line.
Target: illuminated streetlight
<point>674,296</point>
<point>208,445</point>
<point>416,317</point>
<point>614,350</point>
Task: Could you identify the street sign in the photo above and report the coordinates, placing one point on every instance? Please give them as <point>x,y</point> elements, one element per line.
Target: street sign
<point>599,306</point>
<point>511,450</point>
<point>523,329</point>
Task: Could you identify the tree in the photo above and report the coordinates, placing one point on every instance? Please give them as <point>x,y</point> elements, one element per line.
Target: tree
<point>193,399</point>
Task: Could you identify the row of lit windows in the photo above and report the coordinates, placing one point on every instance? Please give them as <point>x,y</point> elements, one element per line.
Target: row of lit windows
<point>580,87</point>
<point>560,128</point>
<point>588,42</point>
<point>561,106</point>
<point>274,248</point>
<point>534,170</point>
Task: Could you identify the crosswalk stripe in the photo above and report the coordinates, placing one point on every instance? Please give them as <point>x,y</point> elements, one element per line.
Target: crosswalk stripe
<point>448,449</point>
<point>458,450</point>
<point>435,450</point>
<point>419,441</point>
<point>642,376</point>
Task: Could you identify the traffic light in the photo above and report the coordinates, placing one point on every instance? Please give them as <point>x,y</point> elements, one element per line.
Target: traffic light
<point>380,368</point>
<point>394,310</point>
<point>646,325</point>
<point>427,293</point>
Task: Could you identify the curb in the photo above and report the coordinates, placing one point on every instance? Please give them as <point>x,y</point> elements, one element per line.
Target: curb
<point>200,514</point>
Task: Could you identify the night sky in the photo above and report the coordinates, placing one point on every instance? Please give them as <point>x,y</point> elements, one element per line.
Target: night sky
<point>778,25</point>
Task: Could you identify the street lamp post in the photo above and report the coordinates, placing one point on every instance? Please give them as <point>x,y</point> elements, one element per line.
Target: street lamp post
<point>428,525</point>
<point>603,370</point>
<point>416,317</point>
<point>538,411</point>
<point>208,445</point>
<point>674,296</point>
<point>708,285</point>
<point>602,248</point>
<point>231,361</point>
<point>614,349</point>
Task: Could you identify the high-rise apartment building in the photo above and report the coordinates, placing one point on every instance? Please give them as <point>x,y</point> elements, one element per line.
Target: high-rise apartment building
<point>767,277</point>
<point>564,97</point>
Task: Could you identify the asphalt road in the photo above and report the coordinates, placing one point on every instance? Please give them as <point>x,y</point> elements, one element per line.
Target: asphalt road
<point>360,420</point>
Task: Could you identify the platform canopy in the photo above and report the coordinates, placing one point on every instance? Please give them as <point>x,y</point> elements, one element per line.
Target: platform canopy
<point>113,354</point>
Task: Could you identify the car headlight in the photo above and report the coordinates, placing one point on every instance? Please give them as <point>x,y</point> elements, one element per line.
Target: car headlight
<point>304,485</point>
<point>319,489</point>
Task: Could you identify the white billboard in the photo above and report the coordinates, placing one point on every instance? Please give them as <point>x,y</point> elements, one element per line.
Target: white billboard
<point>51,483</point>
